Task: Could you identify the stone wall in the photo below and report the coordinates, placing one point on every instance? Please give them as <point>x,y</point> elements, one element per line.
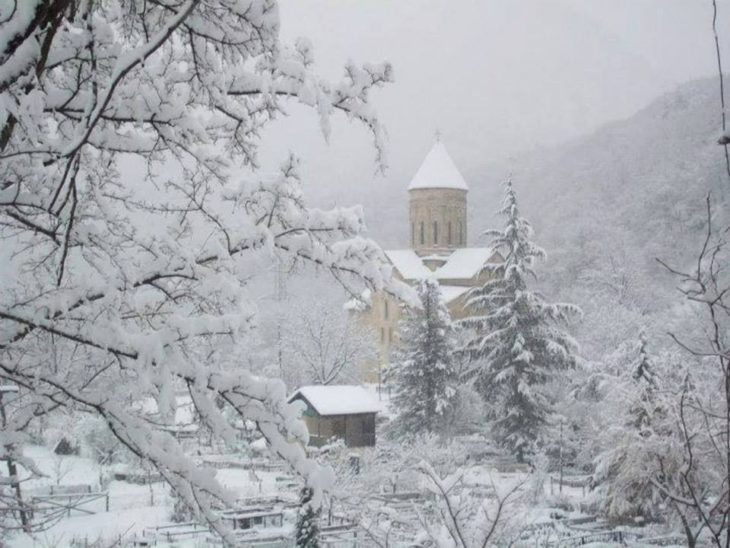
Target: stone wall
<point>437,219</point>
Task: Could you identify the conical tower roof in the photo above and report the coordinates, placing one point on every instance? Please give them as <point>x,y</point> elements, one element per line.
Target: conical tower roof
<point>438,171</point>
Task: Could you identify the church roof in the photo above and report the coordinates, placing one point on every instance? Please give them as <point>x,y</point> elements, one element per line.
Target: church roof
<point>464,263</point>
<point>408,264</point>
<point>452,292</point>
<point>438,171</point>
<point>460,264</point>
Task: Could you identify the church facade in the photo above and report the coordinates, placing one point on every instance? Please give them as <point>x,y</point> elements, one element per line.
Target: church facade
<point>438,248</point>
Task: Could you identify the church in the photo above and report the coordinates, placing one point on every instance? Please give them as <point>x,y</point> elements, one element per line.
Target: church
<point>438,248</point>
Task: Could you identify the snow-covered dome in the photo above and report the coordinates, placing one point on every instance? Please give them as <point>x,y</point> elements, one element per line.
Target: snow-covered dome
<point>438,171</point>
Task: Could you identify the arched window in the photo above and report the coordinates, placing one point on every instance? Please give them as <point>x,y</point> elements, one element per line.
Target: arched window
<point>435,233</point>
<point>423,234</point>
<point>448,233</point>
<point>461,233</point>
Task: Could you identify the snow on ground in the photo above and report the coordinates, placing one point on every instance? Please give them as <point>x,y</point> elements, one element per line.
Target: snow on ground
<point>105,526</point>
<point>132,507</point>
<point>61,470</point>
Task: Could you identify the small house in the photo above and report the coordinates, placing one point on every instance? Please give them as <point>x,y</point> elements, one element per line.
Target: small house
<point>339,411</point>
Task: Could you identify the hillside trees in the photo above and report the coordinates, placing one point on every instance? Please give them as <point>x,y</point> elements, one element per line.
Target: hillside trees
<point>699,489</point>
<point>423,374</point>
<point>517,336</point>
<point>126,243</point>
<point>669,451</point>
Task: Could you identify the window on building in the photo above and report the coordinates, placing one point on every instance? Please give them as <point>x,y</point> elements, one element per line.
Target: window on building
<point>461,233</point>
<point>390,335</point>
<point>423,234</point>
<point>413,234</point>
<point>385,309</point>
<point>382,335</point>
<point>448,233</point>
<point>435,233</point>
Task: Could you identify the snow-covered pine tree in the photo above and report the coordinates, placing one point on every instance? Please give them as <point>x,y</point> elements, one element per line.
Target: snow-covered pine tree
<point>625,469</point>
<point>422,373</point>
<point>644,376</point>
<point>517,336</point>
<point>307,531</point>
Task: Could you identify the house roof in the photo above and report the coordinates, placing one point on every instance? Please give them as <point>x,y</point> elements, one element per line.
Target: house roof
<point>438,171</point>
<point>460,264</point>
<point>338,399</point>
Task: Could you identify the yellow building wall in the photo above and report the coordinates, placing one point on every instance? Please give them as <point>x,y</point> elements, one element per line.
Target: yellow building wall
<point>382,318</point>
<point>384,315</point>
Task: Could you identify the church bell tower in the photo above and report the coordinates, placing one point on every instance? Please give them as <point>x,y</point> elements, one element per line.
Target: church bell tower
<point>437,196</point>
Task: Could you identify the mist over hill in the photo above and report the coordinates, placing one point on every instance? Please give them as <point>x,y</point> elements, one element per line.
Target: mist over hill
<point>604,206</point>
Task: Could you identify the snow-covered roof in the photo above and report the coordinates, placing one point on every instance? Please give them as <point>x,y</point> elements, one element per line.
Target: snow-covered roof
<point>438,171</point>
<point>408,263</point>
<point>452,292</point>
<point>338,399</point>
<point>460,264</point>
<point>464,263</point>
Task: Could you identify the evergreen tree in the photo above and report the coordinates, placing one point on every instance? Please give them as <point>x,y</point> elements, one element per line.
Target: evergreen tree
<point>422,372</point>
<point>633,447</point>
<point>644,405</point>
<point>517,337</point>
<point>307,531</point>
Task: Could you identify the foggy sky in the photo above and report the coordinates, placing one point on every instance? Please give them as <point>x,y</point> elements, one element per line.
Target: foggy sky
<point>493,76</point>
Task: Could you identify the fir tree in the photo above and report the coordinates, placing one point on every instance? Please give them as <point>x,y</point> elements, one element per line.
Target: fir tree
<point>517,337</point>
<point>307,531</point>
<point>625,469</point>
<point>422,373</point>
<point>643,374</point>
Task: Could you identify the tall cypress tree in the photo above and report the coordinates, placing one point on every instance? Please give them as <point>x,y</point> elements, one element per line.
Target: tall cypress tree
<point>422,372</point>
<point>517,336</point>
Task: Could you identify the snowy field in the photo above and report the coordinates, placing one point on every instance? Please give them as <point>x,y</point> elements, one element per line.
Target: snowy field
<point>131,508</point>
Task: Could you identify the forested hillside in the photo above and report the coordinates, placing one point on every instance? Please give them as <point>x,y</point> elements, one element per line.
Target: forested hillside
<point>605,206</point>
